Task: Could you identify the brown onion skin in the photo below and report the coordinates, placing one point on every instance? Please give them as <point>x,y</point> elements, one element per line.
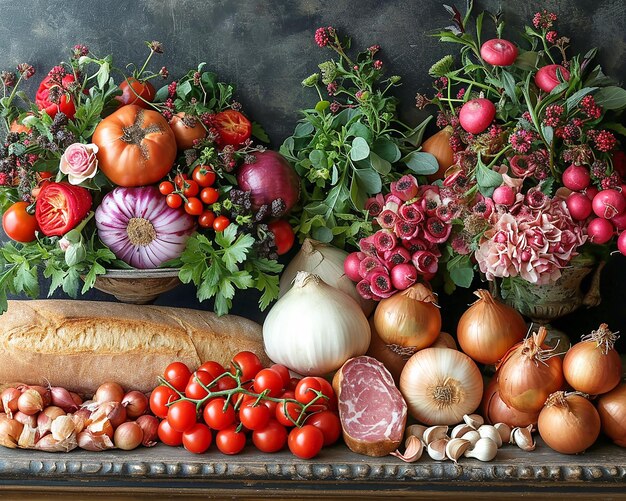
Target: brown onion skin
<point>612,411</point>
<point>571,429</point>
<point>438,145</point>
<point>586,368</point>
<point>494,410</point>
<point>379,350</point>
<point>444,340</point>
<point>109,392</point>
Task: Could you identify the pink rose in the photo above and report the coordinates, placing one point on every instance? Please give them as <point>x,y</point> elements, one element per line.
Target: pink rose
<point>79,162</point>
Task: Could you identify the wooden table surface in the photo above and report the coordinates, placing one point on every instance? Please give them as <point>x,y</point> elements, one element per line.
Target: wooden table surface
<point>174,473</point>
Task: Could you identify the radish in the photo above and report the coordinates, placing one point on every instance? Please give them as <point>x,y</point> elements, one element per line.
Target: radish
<point>498,52</point>
<point>591,192</point>
<point>547,78</point>
<point>576,177</point>
<point>351,266</point>
<point>621,243</point>
<point>579,206</point>
<point>504,195</point>
<point>608,204</point>
<point>403,276</point>
<point>619,221</point>
<point>476,115</point>
<point>600,231</point>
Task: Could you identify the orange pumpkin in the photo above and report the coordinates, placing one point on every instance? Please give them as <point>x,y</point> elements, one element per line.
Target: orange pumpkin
<point>438,145</point>
<point>186,134</point>
<point>136,147</point>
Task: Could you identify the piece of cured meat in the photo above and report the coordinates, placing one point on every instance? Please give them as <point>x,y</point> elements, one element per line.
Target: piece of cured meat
<point>371,408</point>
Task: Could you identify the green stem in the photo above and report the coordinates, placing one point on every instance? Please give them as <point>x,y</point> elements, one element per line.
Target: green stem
<point>481,85</point>
<point>138,75</point>
<point>449,97</point>
<point>546,49</point>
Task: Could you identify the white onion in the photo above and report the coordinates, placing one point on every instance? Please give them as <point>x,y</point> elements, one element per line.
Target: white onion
<point>140,228</point>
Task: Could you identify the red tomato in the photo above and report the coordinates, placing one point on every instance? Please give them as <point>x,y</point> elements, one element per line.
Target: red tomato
<point>306,442</point>
<point>166,188</point>
<point>306,388</point>
<point>226,383</point>
<point>230,441</point>
<point>248,363</point>
<point>191,188</point>
<point>187,130</point>
<point>270,405</point>
<point>209,195</point>
<point>168,435</point>
<point>198,438</point>
<point>498,52</point>
<point>159,398</point>
<point>177,374</point>
<point>268,379</point>
<point>194,389</point>
<point>182,415</point>
<point>204,175</point>
<point>135,92</point>
<point>205,220</point>
<point>179,180</point>
<point>18,224</point>
<point>284,236</point>
<point>272,438</point>
<point>284,373</point>
<point>60,207</point>
<point>233,127</point>
<point>194,206</point>
<point>285,410</point>
<point>254,417</point>
<point>293,382</point>
<point>65,104</point>
<point>328,423</point>
<point>327,390</point>
<point>216,417</point>
<point>214,368</point>
<point>221,223</point>
<point>174,200</point>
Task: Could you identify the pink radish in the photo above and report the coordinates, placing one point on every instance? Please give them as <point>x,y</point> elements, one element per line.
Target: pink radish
<point>600,231</point>
<point>476,115</point>
<point>576,177</point>
<point>621,243</point>
<point>608,204</point>
<point>547,79</point>
<point>351,266</point>
<point>498,52</point>
<point>619,221</point>
<point>579,206</point>
<point>403,276</point>
<point>504,195</point>
<point>591,192</point>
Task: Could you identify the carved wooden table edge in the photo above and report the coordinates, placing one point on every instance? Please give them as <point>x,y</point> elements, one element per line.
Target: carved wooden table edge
<point>602,470</point>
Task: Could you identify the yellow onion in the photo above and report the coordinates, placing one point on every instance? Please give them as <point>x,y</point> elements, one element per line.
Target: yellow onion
<point>488,329</point>
<point>441,385</point>
<point>494,410</point>
<point>529,373</point>
<point>569,423</point>
<point>444,340</point>
<point>378,349</point>
<point>438,145</point>
<point>612,410</point>
<point>409,320</point>
<point>593,366</point>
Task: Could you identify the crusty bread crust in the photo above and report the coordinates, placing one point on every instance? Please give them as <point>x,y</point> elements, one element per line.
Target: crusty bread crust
<point>81,344</point>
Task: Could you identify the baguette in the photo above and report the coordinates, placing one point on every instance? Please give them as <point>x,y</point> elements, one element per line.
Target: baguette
<point>81,344</point>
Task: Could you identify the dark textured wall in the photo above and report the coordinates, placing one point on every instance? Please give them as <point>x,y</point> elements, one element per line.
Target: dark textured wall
<point>266,48</point>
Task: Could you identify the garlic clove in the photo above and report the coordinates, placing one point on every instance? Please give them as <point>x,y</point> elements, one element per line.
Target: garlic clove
<point>505,432</point>
<point>484,450</point>
<point>473,437</point>
<point>415,430</point>
<point>434,433</point>
<point>414,450</point>
<point>456,447</point>
<point>523,438</point>
<point>474,420</point>
<point>62,427</point>
<point>489,431</point>
<point>460,429</point>
<point>437,449</point>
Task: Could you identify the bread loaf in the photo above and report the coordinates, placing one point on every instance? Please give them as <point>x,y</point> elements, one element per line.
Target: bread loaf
<point>81,344</point>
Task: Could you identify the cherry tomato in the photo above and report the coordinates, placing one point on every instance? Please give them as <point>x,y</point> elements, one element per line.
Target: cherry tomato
<point>174,200</point>
<point>204,175</point>
<point>306,442</point>
<point>306,388</point>
<point>327,390</point>
<point>284,237</point>
<point>270,405</point>
<point>177,374</point>
<point>214,368</point>
<point>168,435</point>
<point>226,383</point>
<point>221,223</point>
<point>179,180</point>
<point>182,415</point>
<point>285,409</point>
<point>233,127</point>
<point>216,417</point>
<point>272,438</point>
<point>249,364</point>
<point>268,379</point>
<point>136,92</point>
<point>166,188</point>
<point>254,417</point>
<point>209,195</point>
<point>198,438</point>
<point>329,424</point>
<point>159,398</point>
<point>193,206</point>
<point>284,373</point>
<point>230,441</point>
<point>18,224</point>
<point>194,389</point>
<point>293,382</point>
<point>191,188</point>
<point>206,219</point>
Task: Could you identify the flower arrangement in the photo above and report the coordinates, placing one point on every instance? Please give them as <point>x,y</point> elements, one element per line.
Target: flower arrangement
<point>531,157</point>
<point>96,174</point>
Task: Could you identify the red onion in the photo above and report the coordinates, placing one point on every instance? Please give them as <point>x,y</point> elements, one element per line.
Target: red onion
<point>63,399</point>
<point>149,425</point>
<point>268,178</point>
<point>140,228</point>
<point>136,403</point>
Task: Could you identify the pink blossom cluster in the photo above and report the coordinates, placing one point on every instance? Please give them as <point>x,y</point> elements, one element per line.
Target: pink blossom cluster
<point>534,240</point>
<point>414,220</point>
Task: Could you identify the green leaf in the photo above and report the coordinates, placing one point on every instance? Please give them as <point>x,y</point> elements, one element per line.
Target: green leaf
<point>369,181</point>
<point>26,280</point>
<point>323,234</point>
<point>183,89</point>
<point>358,129</point>
<point>360,149</point>
<point>619,128</point>
<point>462,277</point>
<point>508,82</point>
<point>379,164</point>
<point>90,278</point>
<point>527,60</point>
<point>318,159</point>
<point>268,285</point>
<point>224,238</point>
<point>237,252</point>
<point>387,149</point>
<point>103,75</point>
<point>548,133</point>
<point>488,180</point>
<point>162,94</point>
<point>576,97</point>
<point>303,129</point>
<point>611,98</point>
<point>321,106</point>
<point>415,136</point>
<point>71,283</point>
<point>259,132</point>
<point>421,163</point>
